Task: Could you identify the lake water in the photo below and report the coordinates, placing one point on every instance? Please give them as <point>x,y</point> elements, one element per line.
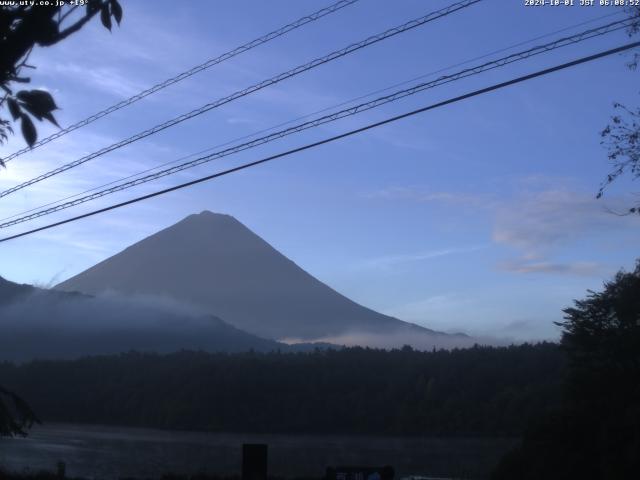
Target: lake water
<point>103,452</point>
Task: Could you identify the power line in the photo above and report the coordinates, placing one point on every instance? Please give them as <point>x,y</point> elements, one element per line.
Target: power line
<point>308,115</point>
<point>537,50</point>
<point>474,93</point>
<point>189,73</point>
<point>241,93</point>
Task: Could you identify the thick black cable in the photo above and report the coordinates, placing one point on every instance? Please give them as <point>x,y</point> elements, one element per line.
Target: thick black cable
<point>459,98</point>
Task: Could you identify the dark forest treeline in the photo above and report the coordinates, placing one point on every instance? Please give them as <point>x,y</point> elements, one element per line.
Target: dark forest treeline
<point>595,434</point>
<point>478,391</point>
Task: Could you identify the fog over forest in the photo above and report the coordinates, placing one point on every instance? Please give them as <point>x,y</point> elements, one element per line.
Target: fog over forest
<point>49,325</point>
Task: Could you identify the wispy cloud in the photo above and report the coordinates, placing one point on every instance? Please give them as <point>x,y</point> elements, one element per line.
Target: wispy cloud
<point>536,217</point>
<point>540,222</point>
<point>110,80</point>
<point>393,260</point>
<point>586,269</point>
<point>426,195</point>
<point>541,225</point>
<point>432,308</point>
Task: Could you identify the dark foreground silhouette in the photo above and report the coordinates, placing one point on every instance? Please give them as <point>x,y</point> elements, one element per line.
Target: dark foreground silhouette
<point>45,475</point>
<point>595,433</point>
<point>578,403</point>
<point>482,391</point>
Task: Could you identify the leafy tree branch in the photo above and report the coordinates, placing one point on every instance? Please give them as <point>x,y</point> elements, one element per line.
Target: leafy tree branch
<point>622,136</point>
<point>23,27</point>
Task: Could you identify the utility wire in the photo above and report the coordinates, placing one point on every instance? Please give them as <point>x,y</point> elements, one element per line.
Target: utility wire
<point>562,42</point>
<point>308,115</point>
<point>189,73</point>
<point>258,86</point>
<point>474,93</point>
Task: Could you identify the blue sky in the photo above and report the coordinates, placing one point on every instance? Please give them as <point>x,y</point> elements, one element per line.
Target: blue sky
<point>477,217</point>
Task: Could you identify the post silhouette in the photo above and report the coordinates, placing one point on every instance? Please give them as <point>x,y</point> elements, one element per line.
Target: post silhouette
<point>254,461</point>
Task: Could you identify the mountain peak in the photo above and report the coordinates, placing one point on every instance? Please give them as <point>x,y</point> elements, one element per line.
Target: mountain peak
<point>208,215</point>
<point>215,262</point>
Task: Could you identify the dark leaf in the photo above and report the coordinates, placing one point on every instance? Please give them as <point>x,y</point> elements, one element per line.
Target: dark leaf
<point>116,11</point>
<point>40,101</point>
<point>46,31</point>
<point>28,130</point>
<point>33,111</point>
<point>51,118</point>
<point>93,6</point>
<point>14,108</point>
<point>105,17</point>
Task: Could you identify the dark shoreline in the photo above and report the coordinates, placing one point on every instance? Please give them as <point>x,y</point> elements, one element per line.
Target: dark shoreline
<point>110,453</point>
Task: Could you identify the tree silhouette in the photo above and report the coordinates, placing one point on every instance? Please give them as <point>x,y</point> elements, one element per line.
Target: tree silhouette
<point>601,335</point>
<point>23,27</point>
<point>15,414</point>
<point>596,434</point>
<point>602,339</point>
<point>622,136</point>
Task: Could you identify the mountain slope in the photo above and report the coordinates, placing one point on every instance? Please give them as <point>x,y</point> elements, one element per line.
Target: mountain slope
<point>215,262</point>
<point>44,324</point>
<point>11,292</point>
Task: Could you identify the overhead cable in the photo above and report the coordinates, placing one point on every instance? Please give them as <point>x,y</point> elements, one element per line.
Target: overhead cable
<point>347,112</point>
<point>189,73</point>
<point>258,86</point>
<point>459,98</point>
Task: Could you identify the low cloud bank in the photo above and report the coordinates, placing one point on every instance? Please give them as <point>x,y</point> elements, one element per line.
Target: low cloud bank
<point>418,341</point>
<point>46,325</point>
<point>53,325</point>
